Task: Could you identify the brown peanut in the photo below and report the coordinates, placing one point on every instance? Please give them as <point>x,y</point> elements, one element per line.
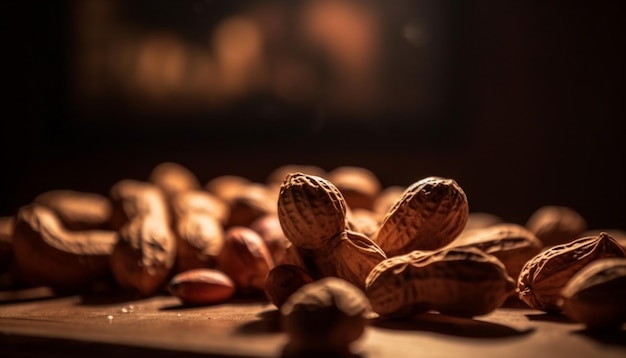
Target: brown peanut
<point>386,199</point>
<point>349,256</point>
<point>227,186</point>
<point>283,280</point>
<point>428,216</point>
<point>359,186</point>
<point>173,178</point>
<point>596,295</point>
<point>311,210</point>
<point>555,225</point>
<point>268,227</point>
<point>246,259</point>
<point>324,318</point>
<point>201,287</point>
<point>199,233</point>
<point>48,254</point>
<point>363,221</point>
<point>145,253</point>
<point>544,276</point>
<point>480,220</point>
<point>250,203</point>
<point>511,243</point>
<point>457,281</point>
<point>78,210</point>
<point>7,223</point>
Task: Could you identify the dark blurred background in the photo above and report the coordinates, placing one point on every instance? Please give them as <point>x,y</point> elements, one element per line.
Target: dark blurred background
<point>520,101</point>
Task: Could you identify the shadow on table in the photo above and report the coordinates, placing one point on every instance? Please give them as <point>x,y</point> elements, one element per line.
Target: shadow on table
<point>449,325</point>
<point>612,336</point>
<point>549,317</point>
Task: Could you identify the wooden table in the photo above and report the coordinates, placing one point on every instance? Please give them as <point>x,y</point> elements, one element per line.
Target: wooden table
<point>36,323</point>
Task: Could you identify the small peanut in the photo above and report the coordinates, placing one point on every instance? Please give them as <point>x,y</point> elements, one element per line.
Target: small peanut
<point>555,225</point>
<point>359,186</point>
<point>283,280</point>
<point>78,210</point>
<point>202,287</point>
<point>543,277</point>
<point>596,295</point>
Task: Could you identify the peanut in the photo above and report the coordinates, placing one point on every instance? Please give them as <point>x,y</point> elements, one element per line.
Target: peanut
<point>78,210</point>
<point>268,227</point>
<point>311,210</point>
<point>544,276</point>
<point>253,201</point>
<point>596,295</point>
<point>350,256</point>
<point>457,281</point>
<point>7,224</point>
<point>324,318</point>
<point>173,178</point>
<point>480,220</point>
<point>363,221</point>
<point>246,259</point>
<point>386,199</point>
<point>359,186</point>
<point>555,225</point>
<point>199,201</point>
<point>201,287</point>
<point>145,253</point>
<point>511,243</point>
<point>283,280</point>
<point>428,216</point>
<point>48,254</point>
<point>226,187</point>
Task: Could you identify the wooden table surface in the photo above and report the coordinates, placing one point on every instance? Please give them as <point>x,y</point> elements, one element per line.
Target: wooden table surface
<point>36,323</point>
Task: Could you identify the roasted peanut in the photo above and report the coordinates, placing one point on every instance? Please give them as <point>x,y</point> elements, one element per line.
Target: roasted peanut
<point>173,178</point>
<point>278,175</point>
<point>363,221</point>
<point>283,280</point>
<point>350,256</point>
<point>48,254</point>
<point>226,187</point>
<point>544,276</point>
<point>253,201</point>
<point>246,259</point>
<point>7,224</point>
<point>596,295</point>
<point>199,233</point>
<point>428,216</point>
<point>311,210</point>
<point>458,281</point>
<point>359,186</point>
<point>324,318</point>
<point>512,244</point>
<point>554,224</point>
<point>201,287</point>
<point>145,253</point>
<point>78,210</point>
<point>268,227</point>
<point>480,220</point>
<point>386,199</point>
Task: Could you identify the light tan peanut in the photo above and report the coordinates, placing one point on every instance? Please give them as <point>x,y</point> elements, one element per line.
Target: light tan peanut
<point>173,178</point>
<point>596,295</point>
<point>350,256</point>
<point>386,199</point>
<point>7,223</point>
<point>324,318</point>
<point>201,287</point>
<point>429,215</point>
<point>363,221</point>
<point>283,280</point>
<point>48,254</point>
<point>199,232</point>
<point>145,253</point>
<point>246,259</point>
<point>199,201</point>
<point>511,243</point>
<point>227,186</point>
<point>253,201</point>
<point>554,224</point>
<point>359,186</point>
<point>200,239</point>
<point>311,210</point>
<point>268,227</point>
<point>544,276</point>
<point>78,210</point>
<point>458,281</point>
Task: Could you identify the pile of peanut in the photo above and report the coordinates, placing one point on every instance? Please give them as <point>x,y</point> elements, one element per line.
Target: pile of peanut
<point>403,250</point>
